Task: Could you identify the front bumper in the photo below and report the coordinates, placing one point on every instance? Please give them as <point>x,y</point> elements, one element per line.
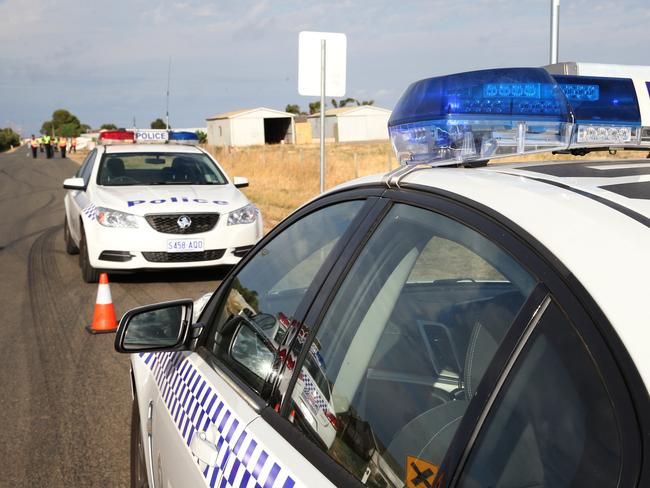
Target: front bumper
<point>144,248</point>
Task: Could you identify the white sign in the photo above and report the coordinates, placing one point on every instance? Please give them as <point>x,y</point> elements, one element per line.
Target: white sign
<point>309,69</point>
<point>153,135</point>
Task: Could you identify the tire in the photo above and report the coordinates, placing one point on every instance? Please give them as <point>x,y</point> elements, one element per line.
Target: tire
<point>88,273</point>
<point>138,464</point>
<point>70,246</point>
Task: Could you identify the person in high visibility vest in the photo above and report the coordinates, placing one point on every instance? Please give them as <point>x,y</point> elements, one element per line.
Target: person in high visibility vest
<point>47,142</point>
<point>73,145</point>
<point>40,144</point>
<point>55,143</point>
<point>63,143</point>
<point>34,145</point>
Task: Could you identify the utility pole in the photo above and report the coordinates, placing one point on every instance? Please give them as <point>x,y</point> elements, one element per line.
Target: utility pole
<point>555,31</point>
<point>169,72</point>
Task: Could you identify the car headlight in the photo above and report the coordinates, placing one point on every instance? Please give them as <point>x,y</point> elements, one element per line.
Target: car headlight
<point>114,218</point>
<point>244,215</point>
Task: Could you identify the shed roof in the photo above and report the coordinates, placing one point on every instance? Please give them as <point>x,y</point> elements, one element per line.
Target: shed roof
<point>341,111</point>
<point>238,113</point>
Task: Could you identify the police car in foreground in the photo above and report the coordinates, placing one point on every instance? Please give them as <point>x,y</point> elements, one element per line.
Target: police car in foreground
<point>440,325</point>
<point>144,206</point>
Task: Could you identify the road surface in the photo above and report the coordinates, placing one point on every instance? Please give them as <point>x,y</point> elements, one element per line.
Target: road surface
<point>66,399</point>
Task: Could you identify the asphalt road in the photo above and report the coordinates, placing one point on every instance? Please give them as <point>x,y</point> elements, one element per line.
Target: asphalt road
<point>65,397</point>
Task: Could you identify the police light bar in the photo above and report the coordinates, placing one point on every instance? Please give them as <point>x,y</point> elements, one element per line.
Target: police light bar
<point>606,111</point>
<point>480,115</point>
<point>116,136</point>
<point>183,137</point>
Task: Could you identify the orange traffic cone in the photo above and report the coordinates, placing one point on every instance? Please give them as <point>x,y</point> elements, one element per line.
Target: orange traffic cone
<point>104,317</point>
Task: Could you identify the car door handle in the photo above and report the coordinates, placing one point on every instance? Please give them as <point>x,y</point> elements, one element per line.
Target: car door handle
<point>203,449</point>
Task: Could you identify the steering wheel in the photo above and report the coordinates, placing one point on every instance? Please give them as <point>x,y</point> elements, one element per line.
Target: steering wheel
<point>123,179</point>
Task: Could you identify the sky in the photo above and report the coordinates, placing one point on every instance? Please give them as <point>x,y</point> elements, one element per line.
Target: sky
<point>107,62</point>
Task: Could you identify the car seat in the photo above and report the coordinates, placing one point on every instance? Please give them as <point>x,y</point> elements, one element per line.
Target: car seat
<point>114,169</point>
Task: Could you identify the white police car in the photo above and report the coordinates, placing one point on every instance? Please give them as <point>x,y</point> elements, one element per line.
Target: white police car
<point>143,206</point>
<point>437,326</point>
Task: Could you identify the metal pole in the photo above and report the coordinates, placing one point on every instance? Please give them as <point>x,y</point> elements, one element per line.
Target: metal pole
<point>555,31</point>
<point>322,115</point>
<point>169,72</point>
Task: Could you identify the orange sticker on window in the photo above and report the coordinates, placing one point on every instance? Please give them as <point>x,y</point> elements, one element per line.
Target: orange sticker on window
<point>419,473</point>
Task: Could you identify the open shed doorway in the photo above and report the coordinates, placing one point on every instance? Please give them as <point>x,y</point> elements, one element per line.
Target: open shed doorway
<point>277,130</point>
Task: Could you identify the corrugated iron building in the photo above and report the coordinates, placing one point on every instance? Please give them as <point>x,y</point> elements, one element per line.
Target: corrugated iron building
<point>352,124</point>
<point>251,127</point>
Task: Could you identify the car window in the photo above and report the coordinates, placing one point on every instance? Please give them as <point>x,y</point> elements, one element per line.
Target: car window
<point>266,292</point>
<point>404,344</point>
<point>87,167</point>
<point>124,169</point>
<point>554,424</point>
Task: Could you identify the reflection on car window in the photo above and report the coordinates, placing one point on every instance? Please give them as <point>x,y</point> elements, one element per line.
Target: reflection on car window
<point>265,294</point>
<point>123,169</point>
<point>160,327</point>
<point>405,343</point>
<point>567,439</point>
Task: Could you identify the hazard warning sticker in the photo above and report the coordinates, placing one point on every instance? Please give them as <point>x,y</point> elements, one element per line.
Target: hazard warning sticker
<point>419,473</point>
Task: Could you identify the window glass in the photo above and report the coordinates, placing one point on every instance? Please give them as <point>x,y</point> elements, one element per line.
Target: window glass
<point>165,168</point>
<point>87,167</point>
<point>554,425</point>
<point>404,344</point>
<point>266,293</point>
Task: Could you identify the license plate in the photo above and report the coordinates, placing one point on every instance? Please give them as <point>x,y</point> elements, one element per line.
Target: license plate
<point>185,245</point>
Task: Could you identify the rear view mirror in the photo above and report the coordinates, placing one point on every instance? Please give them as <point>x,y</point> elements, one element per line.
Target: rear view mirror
<point>155,160</point>
<point>240,182</point>
<point>74,184</point>
<point>159,327</point>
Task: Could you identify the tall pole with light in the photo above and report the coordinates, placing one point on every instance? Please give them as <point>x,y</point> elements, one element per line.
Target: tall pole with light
<point>555,31</point>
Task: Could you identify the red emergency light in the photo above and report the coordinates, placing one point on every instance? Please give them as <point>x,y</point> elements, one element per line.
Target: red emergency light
<point>122,136</point>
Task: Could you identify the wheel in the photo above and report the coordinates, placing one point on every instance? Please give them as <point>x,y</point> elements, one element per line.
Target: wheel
<point>88,273</point>
<point>70,246</point>
<point>138,464</point>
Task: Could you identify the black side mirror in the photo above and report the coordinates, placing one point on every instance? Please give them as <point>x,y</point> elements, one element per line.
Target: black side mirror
<point>159,327</point>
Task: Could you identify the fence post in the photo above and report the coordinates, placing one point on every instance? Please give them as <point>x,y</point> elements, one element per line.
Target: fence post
<point>388,160</point>
<point>356,166</point>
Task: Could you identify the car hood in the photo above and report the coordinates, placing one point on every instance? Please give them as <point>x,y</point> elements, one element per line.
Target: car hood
<point>143,200</point>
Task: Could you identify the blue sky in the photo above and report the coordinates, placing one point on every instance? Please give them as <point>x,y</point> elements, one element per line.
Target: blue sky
<point>107,62</point>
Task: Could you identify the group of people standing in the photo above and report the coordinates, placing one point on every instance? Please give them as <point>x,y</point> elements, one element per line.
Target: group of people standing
<point>50,144</point>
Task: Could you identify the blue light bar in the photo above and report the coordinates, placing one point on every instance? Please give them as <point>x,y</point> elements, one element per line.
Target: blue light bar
<point>606,110</point>
<point>184,137</point>
<point>480,115</point>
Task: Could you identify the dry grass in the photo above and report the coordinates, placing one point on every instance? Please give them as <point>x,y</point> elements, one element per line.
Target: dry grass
<point>283,177</point>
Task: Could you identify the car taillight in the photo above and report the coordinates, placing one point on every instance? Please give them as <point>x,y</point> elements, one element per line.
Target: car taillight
<point>332,419</point>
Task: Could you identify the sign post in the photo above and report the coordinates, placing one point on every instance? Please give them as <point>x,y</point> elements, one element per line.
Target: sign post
<point>328,79</point>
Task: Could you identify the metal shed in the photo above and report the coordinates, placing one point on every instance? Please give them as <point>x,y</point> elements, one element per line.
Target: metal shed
<point>251,127</point>
<point>353,124</point>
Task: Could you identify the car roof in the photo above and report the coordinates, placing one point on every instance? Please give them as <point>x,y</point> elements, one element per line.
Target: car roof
<point>601,235</point>
<point>147,148</point>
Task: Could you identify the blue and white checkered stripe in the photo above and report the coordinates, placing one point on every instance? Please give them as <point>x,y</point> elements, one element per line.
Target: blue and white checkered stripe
<point>312,394</point>
<point>194,405</point>
<point>89,211</point>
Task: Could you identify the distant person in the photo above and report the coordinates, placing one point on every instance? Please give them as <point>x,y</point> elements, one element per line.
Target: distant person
<point>63,144</point>
<point>47,142</point>
<point>73,145</point>
<point>55,143</point>
<point>34,145</point>
<point>40,144</point>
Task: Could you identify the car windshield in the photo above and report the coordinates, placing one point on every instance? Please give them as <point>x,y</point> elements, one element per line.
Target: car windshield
<point>154,168</point>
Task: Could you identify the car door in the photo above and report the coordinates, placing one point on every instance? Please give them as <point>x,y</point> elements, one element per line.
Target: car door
<point>206,401</point>
<point>449,353</point>
<point>78,200</point>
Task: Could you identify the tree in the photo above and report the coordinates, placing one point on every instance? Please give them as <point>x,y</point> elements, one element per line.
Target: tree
<point>63,123</point>
<point>365,102</point>
<point>203,137</point>
<point>108,127</point>
<point>292,108</point>
<point>344,102</point>
<point>158,124</point>
<point>314,107</point>
<point>8,139</point>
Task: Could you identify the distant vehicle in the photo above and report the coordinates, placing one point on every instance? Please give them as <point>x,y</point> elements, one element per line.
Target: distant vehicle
<point>137,207</point>
<point>448,324</point>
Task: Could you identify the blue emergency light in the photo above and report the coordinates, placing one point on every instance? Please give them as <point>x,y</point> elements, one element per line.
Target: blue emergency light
<point>480,115</point>
<point>606,110</point>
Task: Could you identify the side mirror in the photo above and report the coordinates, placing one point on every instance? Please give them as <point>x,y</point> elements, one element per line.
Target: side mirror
<point>158,327</point>
<point>240,182</point>
<point>74,184</point>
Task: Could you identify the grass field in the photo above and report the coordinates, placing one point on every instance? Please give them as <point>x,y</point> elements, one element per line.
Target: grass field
<point>282,177</point>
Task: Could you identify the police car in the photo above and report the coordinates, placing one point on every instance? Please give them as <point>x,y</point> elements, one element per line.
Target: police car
<point>155,206</point>
<point>450,323</point>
